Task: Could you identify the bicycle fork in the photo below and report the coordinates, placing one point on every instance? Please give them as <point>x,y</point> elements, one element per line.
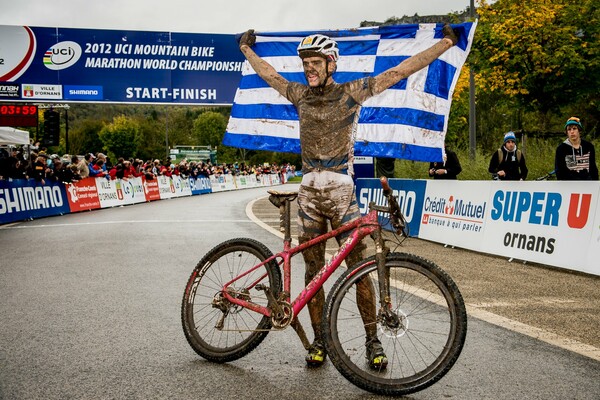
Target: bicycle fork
<point>387,315</point>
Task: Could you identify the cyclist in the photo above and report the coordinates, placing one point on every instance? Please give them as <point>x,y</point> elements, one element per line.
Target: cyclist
<point>575,158</point>
<point>328,113</point>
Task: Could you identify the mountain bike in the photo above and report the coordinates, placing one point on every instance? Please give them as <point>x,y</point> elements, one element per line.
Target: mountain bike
<point>235,296</point>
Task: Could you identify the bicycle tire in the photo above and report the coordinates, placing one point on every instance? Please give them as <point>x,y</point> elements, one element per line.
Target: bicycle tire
<point>242,329</point>
<point>422,350</point>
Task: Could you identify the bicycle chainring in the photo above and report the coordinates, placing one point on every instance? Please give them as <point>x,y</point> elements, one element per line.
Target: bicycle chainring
<point>283,318</point>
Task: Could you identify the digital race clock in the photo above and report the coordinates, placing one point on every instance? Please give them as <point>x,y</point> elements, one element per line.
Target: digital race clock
<point>18,115</point>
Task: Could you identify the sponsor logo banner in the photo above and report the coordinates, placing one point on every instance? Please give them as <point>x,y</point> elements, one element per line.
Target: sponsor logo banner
<point>32,91</point>
<point>410,195</point>
<point>83,195</point>
<point>76,92</point>
<point>21,199</point>
<point>10,91</point>
<point>550,224</point>
<point>454,212</point>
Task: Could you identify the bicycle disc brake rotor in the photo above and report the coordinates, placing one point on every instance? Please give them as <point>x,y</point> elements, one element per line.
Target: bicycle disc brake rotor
<point>393,327</point>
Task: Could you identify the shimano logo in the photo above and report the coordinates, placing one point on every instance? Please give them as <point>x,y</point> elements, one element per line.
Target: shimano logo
<point>84,92</point>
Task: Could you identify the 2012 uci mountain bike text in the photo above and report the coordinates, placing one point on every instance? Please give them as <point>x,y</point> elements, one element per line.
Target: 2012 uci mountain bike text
<point>235,296</point>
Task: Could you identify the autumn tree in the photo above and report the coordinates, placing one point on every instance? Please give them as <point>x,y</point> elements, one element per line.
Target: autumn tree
<point>544,54</point>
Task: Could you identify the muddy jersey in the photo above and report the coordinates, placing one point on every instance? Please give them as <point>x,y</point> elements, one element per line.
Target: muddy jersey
<point>328,117</point>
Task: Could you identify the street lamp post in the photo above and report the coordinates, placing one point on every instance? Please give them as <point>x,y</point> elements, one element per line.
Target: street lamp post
<point>472,124</point>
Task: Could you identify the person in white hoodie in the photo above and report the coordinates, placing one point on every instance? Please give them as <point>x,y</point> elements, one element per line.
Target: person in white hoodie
<point>575,158</point>
<point>508,163</point>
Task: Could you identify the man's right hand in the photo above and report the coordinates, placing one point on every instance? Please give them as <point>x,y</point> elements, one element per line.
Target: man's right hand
<point>449,33</point>
<point>248,38</point>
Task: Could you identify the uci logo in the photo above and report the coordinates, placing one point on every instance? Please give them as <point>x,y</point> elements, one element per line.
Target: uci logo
<point>62,55</point>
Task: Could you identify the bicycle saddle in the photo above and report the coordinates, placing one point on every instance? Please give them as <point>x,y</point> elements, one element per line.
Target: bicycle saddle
<point>278,198</point>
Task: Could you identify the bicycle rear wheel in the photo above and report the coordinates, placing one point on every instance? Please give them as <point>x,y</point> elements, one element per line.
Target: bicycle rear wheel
<point>421,349</point>
<point>215,328</point>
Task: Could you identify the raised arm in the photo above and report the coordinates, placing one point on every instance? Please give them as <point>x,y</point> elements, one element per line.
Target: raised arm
<point>415,63</point>
<point>262,68</point>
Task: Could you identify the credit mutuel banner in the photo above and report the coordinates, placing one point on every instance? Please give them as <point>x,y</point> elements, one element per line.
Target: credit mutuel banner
<point>90,65</point>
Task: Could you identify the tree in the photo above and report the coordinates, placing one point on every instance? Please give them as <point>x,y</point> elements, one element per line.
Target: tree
<point>209,129</point>
<point>121,137</point>
<point>84,137</point>
<point>542,53</point>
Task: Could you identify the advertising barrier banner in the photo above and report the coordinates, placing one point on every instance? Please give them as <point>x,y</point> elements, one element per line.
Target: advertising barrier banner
<point>454,212</point>
<point>93,65</point>
<point>22,199</point>
<point>551,224</point>
<point>83,195</point>
<point>410,198</point>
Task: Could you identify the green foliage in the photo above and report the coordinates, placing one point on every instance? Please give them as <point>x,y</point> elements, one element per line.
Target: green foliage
<point>209,129</point>
<point>84,138</point>
<point>121,137</point>
<point>539,156</point>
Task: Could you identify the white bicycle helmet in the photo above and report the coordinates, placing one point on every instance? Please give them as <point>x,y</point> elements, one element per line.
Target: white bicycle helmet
<point>319,45</point>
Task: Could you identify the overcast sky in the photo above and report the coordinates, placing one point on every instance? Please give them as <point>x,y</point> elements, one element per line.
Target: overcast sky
<point>215,16</point>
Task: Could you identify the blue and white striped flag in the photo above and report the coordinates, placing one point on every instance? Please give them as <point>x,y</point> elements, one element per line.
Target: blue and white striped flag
<point>409,120</point>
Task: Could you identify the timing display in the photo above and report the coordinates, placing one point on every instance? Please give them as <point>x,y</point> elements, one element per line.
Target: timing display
<point>18,115</point>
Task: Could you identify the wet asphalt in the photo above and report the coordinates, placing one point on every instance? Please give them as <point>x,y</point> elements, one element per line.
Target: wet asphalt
<point>90,309</point>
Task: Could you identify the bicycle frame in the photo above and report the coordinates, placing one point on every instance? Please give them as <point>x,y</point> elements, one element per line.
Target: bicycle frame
<point>361,228</point>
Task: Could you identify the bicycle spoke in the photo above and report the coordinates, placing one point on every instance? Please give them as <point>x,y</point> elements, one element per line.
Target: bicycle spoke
<point>216,328</point>
<point>420,345</point>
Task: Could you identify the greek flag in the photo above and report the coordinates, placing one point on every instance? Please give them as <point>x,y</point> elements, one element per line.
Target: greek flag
<point>408,120</point>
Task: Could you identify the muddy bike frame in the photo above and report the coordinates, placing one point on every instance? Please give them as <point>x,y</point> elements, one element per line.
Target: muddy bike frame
<point>360,228</point>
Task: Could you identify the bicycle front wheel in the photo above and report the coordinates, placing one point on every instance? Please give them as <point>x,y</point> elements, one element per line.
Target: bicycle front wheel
<point>217,329</point>
<point>421,344</point>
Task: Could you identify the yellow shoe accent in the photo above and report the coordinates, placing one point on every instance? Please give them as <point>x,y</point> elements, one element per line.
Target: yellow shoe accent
<point>316,356</point>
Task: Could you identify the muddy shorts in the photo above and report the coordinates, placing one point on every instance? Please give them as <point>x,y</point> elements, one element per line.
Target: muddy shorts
<point>324,198</point>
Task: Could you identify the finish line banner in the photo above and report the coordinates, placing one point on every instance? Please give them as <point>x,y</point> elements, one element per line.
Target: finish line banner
<point>85,65</point>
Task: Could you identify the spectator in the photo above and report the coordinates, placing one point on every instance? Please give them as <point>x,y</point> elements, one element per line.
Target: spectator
<point>136,168</point>
<point>156,167</point>
<point>106,166</point>
<point>38,168</point>
<point>96,170</point>
<point>575,158</point>
<point>508,163</point>
<point>148,172</point>
<point>384,167</point>
<point>71,174</point>
<point>18,166</point>
<point>117,171</point>
<point>56,172</point>
<point>82,165</point>
<point>449,168</point>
